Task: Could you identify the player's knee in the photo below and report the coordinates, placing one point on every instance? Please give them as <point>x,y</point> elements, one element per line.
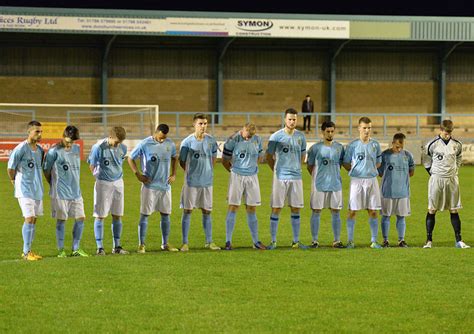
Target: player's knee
<point>294,210</point>
<point>453,211</point>
<point>188,211</point>
<point>316,210</point>
<point>205,212</point>
<point>432,212</point>
<point>351,214</point>
<point>276,211</point>
<point>372,213</point>
<point>30,220</point>
<point>250,209</point>
<point>233,208</point>
<point>114,217</point>
<point>80,219</point>
<point>335,210</point>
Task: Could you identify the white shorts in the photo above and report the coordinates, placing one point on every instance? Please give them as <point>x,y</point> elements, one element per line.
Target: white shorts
<point>63,209</point>
<point>396,206</point>
<point>155,201</point>
<point>108,198</point>
<point>246,186</point>
<point>364,194</point>
<point>325,199</point>
<point>30,207</point>
<point>196,198</point>
<point>289,190</point>
<point>443,193</point>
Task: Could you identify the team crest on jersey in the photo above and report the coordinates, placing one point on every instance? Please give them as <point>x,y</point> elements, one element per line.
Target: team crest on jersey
<point>325,162</point>
<point>65,168</point>
<point>153,158</point>
<point>106,162</point>
<point>360,156</point>
<point>299,141</point>
<point>285,149</point>
<point>31,163</point>
<point>439,156</point>
<point>390,167</point>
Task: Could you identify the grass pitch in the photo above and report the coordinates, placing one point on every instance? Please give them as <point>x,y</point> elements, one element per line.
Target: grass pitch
<point>322,290</point>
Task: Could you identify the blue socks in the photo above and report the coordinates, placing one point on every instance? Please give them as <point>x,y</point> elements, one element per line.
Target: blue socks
<point>116,231</point>
<point>185,225</point>
<point>77,234</point>
<point>385,223</point>
<point>350,229</point>
<point>374,229</point>
<point>27,232</point>
<point>253,226</point>
<point>60,227</point>
<point>165,228</point>
<point>229,225</point>
<point>336,225</point>
<point>99,232</point>
<point>401,227</point>
<point>207,226</point>
<point>142,227</point>
<point>295,226</point>
<point>314,222</point>
<point>274,219</point>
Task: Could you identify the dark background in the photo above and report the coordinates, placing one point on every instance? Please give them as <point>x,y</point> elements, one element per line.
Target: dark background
<point>382,7</point>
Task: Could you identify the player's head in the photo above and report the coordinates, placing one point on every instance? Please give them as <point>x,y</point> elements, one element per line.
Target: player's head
<point>34,131</point>
<point>117,135</point>
<point>70,134</point>
<point>446,128</point>
<point>248,131</point>
<point>200,123</point>
<point>290,118</point>
<point>161,132</point>
<point>328,128</point>
<point>365,128</point>
<point>398,142</point>
<point>308,97</point>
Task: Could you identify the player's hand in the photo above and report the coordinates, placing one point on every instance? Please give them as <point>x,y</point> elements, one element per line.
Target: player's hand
<point>142,178</point>
<point>171,179</point>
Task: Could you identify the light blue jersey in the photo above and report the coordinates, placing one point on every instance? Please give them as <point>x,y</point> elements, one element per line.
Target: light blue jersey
<point>288,150</point>
<point>155,160</point>
<point>327,161</point>
<point>65,169</point>
<point>243,153</point>
<point>395,171</point>
<point>363,158</point>
<point>28,178</point>
<point>107,160</point>
<point>198,156</point>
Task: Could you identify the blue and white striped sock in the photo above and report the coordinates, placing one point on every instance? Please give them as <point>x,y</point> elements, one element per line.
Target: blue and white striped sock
<point>274,220</point>
<point>295,226</point>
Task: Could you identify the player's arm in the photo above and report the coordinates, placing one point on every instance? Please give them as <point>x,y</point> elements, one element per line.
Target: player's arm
<point>183,153</point>
<point>227,154</point>
<point>13,162</point>
<point>93,159</point>
<point>378,159</point>
<point>426,159</point>
<point>133,166</point>
<point>174,167</point>
<point>459,156</point>
<point>49,160</point>
<point>346,161</point>
<point>11,175</point>
<point>270,154</point>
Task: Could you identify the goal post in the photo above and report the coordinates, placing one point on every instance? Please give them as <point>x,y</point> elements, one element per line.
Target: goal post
<point>93,120</point>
